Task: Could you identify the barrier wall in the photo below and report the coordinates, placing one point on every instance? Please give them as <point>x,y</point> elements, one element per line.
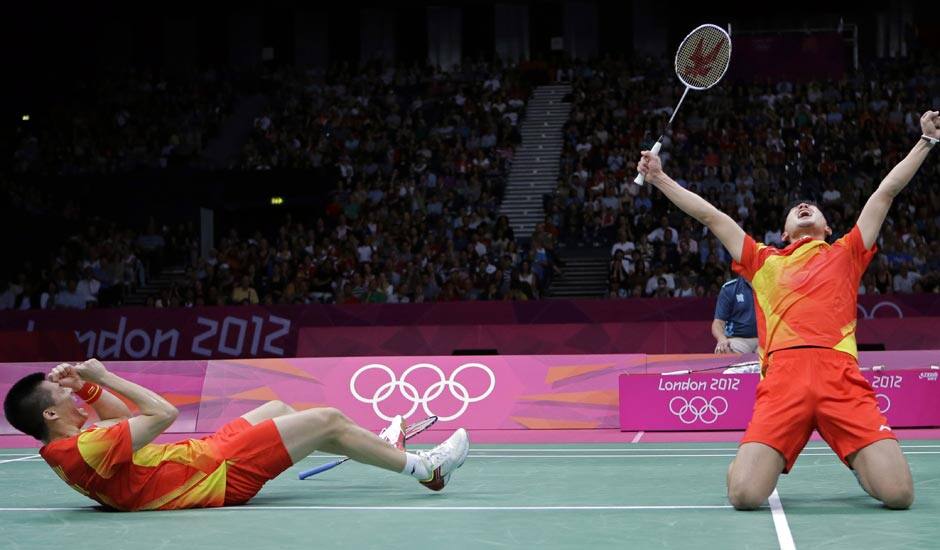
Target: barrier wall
<point>525,392</point>
<point>710,401</point>
<point>535,327</point>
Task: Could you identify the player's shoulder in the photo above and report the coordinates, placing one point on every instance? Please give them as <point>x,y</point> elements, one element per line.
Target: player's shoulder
<point>851,236</point>
<point>106,423</point>
<point>731,282</point>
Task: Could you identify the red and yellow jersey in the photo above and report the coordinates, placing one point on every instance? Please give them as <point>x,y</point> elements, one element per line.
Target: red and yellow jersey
<point>806,294</point>
<point>101,464</point>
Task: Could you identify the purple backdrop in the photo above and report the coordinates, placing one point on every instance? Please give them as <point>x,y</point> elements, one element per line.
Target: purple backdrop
<point>542,327</point>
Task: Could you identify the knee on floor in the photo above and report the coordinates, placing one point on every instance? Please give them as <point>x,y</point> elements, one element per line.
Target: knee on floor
<point>745,498</point>
<point>899,497</point>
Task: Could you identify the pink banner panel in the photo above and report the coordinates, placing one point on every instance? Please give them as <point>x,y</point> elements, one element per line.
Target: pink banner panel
<point>714,401</point>
<point>179,382</point>
<point>700,401</point>
<point>485,392</point>
<point>551,392</point>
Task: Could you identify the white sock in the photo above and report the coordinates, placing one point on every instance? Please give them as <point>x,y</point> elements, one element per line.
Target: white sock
<point>416,467</point>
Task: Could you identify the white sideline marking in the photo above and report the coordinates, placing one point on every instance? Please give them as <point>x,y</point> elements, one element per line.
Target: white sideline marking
<point>29,457</point>
<point>662,455</point>
<point>784,537</point>
<point>640,449</point>
<point>408,508</point>
<point>36,458</point>
<point>624,448</point>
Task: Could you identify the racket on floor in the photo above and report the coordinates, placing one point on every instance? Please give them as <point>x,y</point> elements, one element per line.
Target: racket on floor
<point>701,61</point>
<point>411,430</point>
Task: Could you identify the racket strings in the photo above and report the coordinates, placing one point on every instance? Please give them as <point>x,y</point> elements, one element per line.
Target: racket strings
<point>414,429</point>
<point>703,57</point>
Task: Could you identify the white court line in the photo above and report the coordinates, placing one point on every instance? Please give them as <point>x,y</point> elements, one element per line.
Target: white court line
<point>524,457</point>
<point>30,457</point>
<point>638,436</point>
<point>625,448</point>
<point>642,449</point>
<point>830,453</point>
<point>36,458</point>
<point>784,537</point>
<point>409,508</point>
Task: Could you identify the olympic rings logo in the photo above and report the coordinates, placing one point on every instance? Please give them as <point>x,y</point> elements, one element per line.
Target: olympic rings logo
<point>410,392</point>
<point>871,314</point>
<point>884,403</point>
<point>698,408</point>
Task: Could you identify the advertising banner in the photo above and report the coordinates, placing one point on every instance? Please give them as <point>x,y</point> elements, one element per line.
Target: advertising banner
<point>715,401</point>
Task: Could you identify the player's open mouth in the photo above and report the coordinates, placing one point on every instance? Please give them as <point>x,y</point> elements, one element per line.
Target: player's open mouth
<point>805,214</point>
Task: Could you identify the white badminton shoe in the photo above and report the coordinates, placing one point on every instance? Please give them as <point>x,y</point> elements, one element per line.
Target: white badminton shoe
<point>394,433</point>
<point>445,458</point>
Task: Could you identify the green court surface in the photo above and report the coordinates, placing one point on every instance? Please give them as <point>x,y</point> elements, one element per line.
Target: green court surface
<point>505,496</point>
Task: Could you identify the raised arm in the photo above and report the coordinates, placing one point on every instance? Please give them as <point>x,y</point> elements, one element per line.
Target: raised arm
<point>876,209</point>
<point>156,413</point>
<point>727,230</point>
<point>107,406</point>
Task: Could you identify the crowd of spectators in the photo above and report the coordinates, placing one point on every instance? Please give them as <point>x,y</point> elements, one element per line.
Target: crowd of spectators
<point>124,121</point>
<point>749,149</point>
<point>93,263</point>
<point>419,157</point>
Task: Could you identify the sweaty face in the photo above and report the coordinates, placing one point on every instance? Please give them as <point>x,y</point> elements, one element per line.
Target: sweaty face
<point>66,404</point>
<point>805,220</point>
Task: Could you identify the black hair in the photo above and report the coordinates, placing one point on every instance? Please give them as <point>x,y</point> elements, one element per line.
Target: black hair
<point>25,403</point>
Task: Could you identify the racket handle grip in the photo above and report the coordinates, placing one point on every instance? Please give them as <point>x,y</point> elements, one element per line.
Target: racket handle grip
<point>640,178</point>
<point>319,469</point>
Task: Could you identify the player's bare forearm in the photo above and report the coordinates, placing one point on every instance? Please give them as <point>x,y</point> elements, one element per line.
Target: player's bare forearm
<point>149,402</point>
<point>110,406</point>
<point>899,176</point>
<point>876,208</point>
<point>107,405</point>
<point>156,413</point>
<point>726,229</point>
<point>687,201</point>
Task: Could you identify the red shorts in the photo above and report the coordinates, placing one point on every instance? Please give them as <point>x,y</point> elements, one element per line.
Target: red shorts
<point>254,456</point>
<point>815,388</point>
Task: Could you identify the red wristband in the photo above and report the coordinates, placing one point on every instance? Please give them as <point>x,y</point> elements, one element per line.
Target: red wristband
<point>89,392</point>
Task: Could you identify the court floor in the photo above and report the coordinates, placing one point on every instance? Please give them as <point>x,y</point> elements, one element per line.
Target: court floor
<point>505,496</point>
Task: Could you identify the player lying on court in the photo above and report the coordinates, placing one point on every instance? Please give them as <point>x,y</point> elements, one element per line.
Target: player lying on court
<point>115,462</point>
<point>806,314</point>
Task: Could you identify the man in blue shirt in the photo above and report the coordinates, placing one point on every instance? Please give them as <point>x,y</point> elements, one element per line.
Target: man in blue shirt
<point>735,324</point>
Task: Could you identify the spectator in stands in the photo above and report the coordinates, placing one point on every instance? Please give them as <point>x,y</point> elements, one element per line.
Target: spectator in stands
<point>660,233</point>
<point>905,280</point>
<point>414,159</point>
<point>69,298</point>
<point>88,286</point>
<point>243,293</point>
<point>684,289</point>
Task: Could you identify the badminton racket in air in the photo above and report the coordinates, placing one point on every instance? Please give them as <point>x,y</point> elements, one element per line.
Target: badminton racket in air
<point>701,62</point>
<point>411,430</point>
